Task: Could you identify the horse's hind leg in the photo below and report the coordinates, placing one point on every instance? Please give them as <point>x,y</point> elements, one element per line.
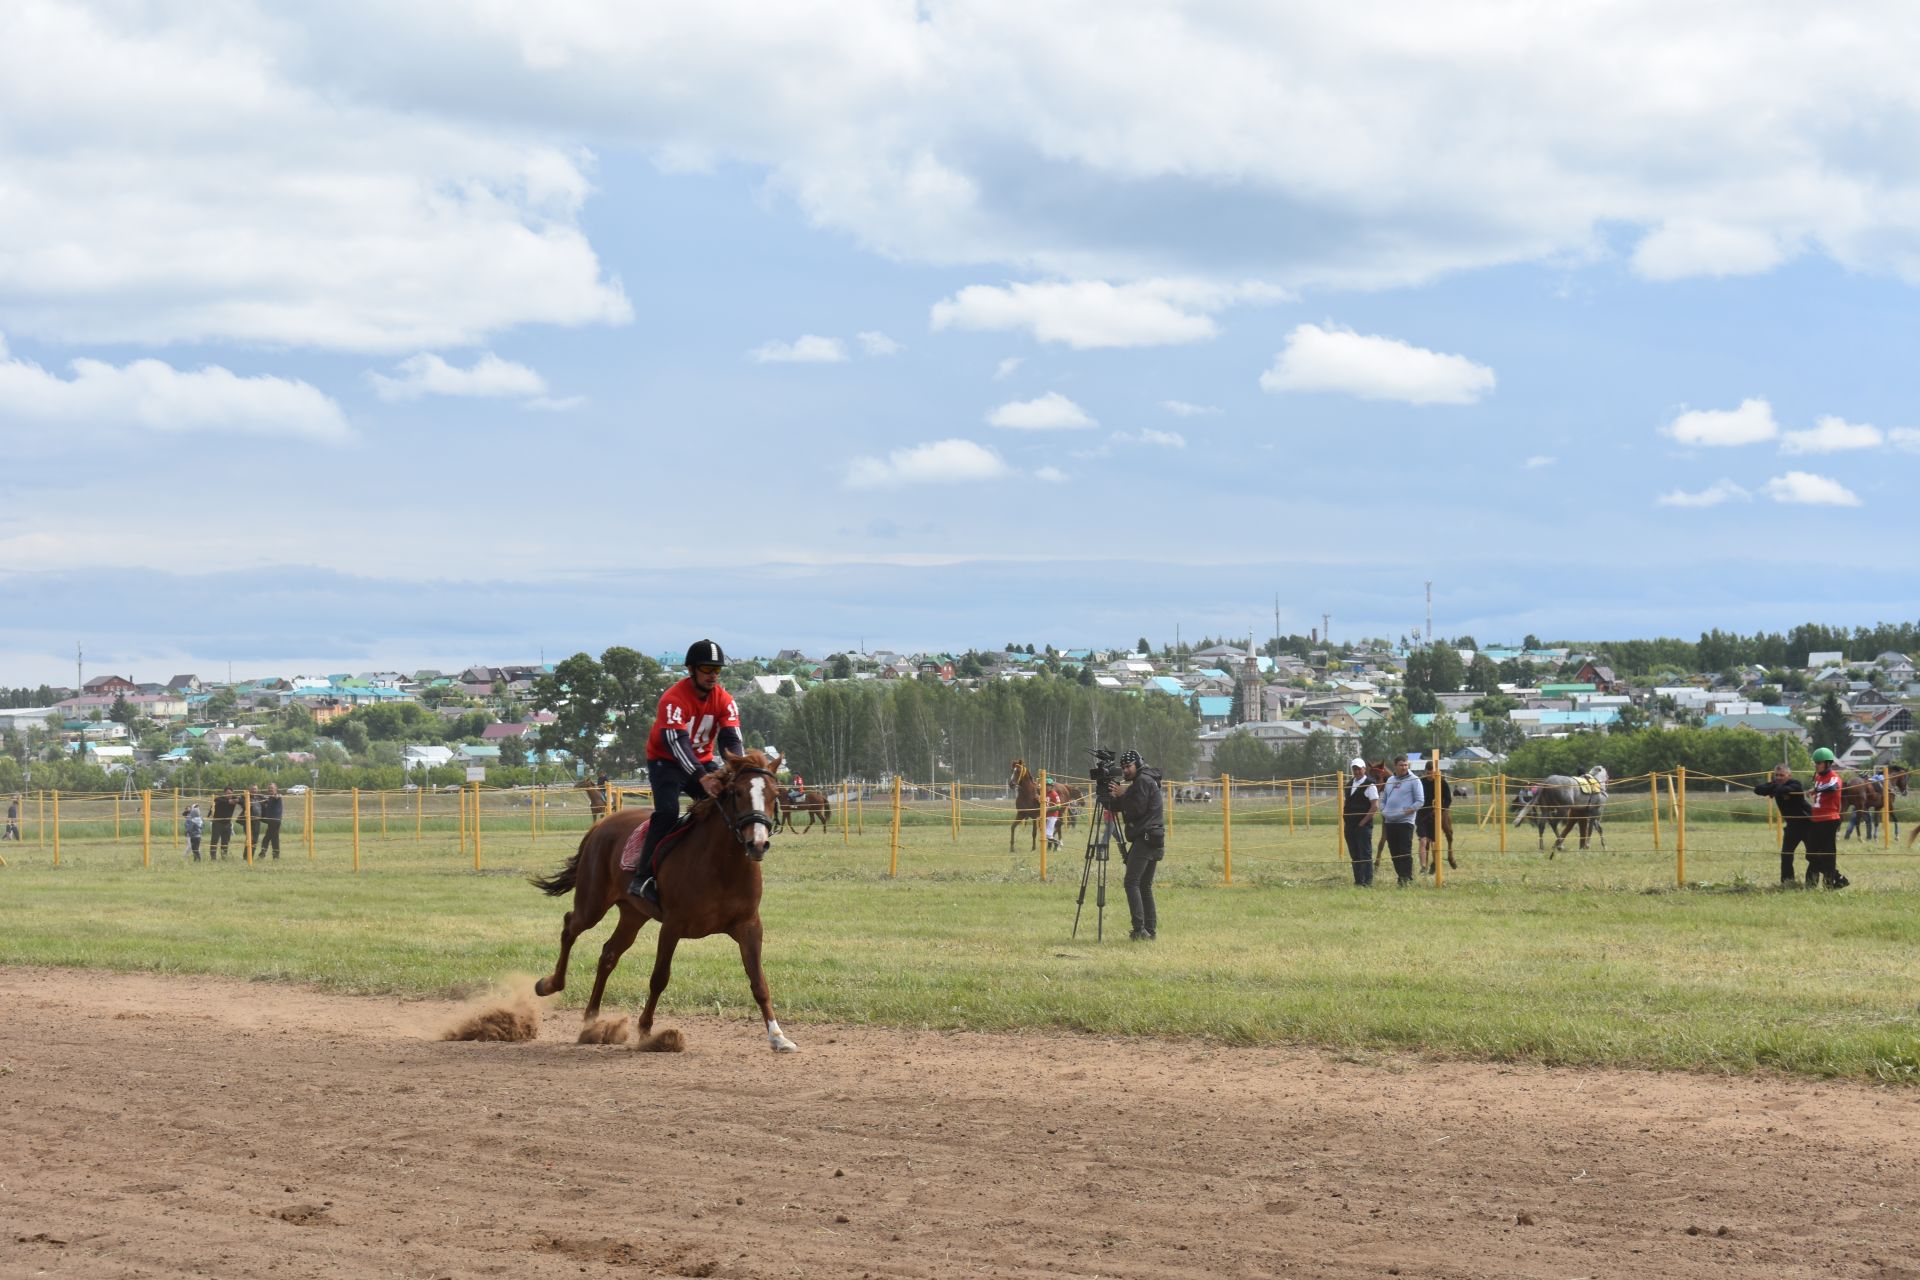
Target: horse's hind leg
<point>662,971</point>
<point>748,936</point>
<point>631,922</point>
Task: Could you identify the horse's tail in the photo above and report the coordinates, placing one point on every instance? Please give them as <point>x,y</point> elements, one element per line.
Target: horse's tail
<point>562,881</point>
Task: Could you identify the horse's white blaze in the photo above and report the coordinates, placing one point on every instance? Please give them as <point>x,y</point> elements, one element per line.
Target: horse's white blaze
<point>759,806</point>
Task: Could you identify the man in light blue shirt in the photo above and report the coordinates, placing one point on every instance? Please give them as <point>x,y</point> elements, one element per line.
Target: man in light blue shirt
<point>1400,801</point>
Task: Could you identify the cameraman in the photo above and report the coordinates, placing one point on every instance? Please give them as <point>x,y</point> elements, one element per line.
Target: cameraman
<point>1140,811</point>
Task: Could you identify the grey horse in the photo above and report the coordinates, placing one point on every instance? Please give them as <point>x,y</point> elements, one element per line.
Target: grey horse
<point>1563,803</point>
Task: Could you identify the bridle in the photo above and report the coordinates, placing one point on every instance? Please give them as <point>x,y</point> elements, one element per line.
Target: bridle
<point>741,822</point>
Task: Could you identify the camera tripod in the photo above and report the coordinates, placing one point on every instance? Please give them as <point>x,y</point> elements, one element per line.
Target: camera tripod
<point>1103,828</point>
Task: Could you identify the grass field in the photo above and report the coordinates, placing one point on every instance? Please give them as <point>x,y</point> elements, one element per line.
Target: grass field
<point>1589,958</point>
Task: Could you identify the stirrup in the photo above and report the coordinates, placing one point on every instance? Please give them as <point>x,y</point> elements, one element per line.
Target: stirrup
<point>645,887</point>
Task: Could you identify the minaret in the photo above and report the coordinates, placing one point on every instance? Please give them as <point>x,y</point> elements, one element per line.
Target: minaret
<point>1253,690</point>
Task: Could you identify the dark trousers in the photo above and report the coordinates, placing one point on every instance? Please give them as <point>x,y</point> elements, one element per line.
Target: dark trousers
<point>1142,861</point>
<point>669,782</point>
<point>1400,847</point>
<point>193,842</point>
<point>1823,858</point>
<point>1360,848</point>
<point>265,832</point>
<point>12,832</point>
<point>1794,835</point>
<point>220,837</point>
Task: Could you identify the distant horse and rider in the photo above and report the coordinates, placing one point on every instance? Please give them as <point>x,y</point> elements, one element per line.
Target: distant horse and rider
<point>1865,797</point>
<point>1027,805</point>
<point>708,873</point>
<point>814,804</point>
<point>1563,803</point>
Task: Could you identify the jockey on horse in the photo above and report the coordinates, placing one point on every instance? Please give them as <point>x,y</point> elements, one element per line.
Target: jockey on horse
<point>693,716</point>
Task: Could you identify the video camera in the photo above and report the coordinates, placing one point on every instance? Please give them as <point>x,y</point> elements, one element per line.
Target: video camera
<point>1104,769</point>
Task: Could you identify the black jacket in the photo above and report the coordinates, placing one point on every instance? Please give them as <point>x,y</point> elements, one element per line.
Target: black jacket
<point>1789,795</point>
<point>1139,807</point>
<point>223,807</point>
<point>272,807</point>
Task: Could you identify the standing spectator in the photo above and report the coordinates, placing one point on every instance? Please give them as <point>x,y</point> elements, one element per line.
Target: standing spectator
<point>1054,810</point>
<point>13,821</point>
<point>1356,815</point>
<point>1823,827</point>
<point>268,829</point>
<point>1795,821</point>
<point>1437,792</point>
<point>195,825</point>
<point>222,833</point>
<point>1400,801</point>
<point>1143,815</point>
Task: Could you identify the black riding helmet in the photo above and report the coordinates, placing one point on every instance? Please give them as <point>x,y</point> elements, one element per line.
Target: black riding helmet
<point>705,653</point>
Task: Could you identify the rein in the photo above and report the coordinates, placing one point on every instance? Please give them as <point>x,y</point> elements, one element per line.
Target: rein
<point>739,823</point>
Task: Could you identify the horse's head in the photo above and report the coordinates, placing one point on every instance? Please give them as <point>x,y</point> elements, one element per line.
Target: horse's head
<point>1599,774</point>
<point>1018,775</point>
<point>747,801</point>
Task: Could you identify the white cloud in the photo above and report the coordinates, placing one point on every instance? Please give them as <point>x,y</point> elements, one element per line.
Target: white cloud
<point>1539,460</point>
<point>1832,435</point>
<point>1712,496</point>
<point>1086,314</point>
<point>155,395</point>
<point>1050,412</point>
<point>171,177</point>
<point>1331,358</point>
<point>429,375</point>
<point>1803,488</point>
<point>1005,368</point>
<point>941,462</point>
<point>1751,423</point>
<point>1683,247</point>
<point>1906,439</point>
<point>809,348</point>
<point>1052,475</point>
<point>875,343</point>
<point>1147,435</point>
<point>1180,408</point>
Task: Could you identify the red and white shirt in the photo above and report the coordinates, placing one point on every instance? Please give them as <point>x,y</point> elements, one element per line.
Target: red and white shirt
<point>683,711</point>
<point>1827,792</point>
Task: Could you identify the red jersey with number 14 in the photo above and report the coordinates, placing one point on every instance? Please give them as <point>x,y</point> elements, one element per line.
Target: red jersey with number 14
<point>681,707</point>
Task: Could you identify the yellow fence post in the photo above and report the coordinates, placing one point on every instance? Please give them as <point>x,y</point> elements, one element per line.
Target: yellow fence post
<point>56,827</point>
<point>893,857</point>
<point>383,811</point>
<point>146,828</point>
<point>1653,784</point>
<point>176,815</point>
<point>953,806</point>
<point>246,824</point>
<point>116,819</point>
<point>1306,805</point>
<point>1340,786</point>
<point>1500,797</point>
<point>419,811</point>
<point>1439,821</point>
<point>356,831</point>
<point>463,817</point>
<point>476,826</point>
<point>860,809</point>
<point>1680,827</point>
<point>1226,825</point>
<point>1289,806</point>
<point>1039,828</point>
<point>1886,808</point>
<point>846,818</point>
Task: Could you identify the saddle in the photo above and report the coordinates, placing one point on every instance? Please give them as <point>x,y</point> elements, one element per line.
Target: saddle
<point>630,852</point>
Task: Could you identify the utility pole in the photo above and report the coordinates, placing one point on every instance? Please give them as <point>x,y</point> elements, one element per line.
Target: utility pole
<point>1429,610</point>
<point>79,670</point>
<point>1326,631</point>
<point>1276,626</point>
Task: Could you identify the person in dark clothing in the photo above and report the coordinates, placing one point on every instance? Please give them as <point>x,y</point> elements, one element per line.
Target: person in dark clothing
<point>267,830</point>
<point>251,828</point>
<point>195,824</point>
<point>1796,819</point>
<point>1437,789</point>
<point>13,820</point>
<point>1143,816</point>
<point>1400,799</point>
<point>221,832</point>
<point>1361,803</point>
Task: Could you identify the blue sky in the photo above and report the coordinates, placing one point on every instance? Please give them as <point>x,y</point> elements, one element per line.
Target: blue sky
<point>434,333</point>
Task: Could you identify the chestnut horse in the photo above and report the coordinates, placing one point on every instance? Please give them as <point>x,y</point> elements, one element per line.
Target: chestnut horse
<point>709,880</point>
<point>813,804</point>
<point>1862,796</point>
<point>1026,802</point>
<point>596,797</point>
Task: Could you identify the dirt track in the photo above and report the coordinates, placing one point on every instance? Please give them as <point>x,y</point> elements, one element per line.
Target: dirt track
<point>171,1127</point>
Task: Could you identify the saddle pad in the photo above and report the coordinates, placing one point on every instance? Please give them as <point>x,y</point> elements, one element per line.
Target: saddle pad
<point>630,852</point>
<point>1588,786</point>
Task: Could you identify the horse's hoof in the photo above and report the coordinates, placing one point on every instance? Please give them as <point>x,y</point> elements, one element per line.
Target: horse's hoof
<point>540,987</point>
<point>780,1044</point>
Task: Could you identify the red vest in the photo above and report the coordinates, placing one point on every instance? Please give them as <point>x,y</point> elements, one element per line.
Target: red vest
<point>1826,803</point>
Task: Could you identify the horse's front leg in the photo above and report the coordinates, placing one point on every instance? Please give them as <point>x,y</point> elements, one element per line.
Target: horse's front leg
<point>572,925</point>
<point>631,923</point>
<point>748,936</point>
<point>662,970</point>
